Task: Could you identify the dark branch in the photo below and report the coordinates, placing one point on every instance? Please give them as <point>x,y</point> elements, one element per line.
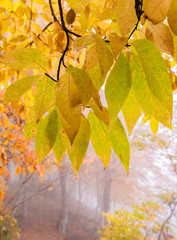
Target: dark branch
<point>139,12</point>
<point>75,34</point>
<point>50,77</point>
<point>53,14</point>
<point>67,36</point>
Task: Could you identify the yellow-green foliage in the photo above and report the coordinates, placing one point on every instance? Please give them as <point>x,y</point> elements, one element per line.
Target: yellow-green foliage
<point>8,226</point>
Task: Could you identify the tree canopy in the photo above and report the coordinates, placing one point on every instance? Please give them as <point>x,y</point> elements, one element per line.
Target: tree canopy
<point>56,56</point>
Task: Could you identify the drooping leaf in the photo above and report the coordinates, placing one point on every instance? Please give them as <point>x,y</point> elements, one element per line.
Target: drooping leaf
<point>153,93</point>
<point>101,113</point>
<point>30,58</point>
<point>160,34</point>
<point>83,42</point>
<point>105,57</point>
<point>120,142</point>
<point>145,119</point>
<point>100,138</point>
<point>154,124</point>
<point>20,86</point>
<point>68,100</point>
<point>59,147</point>
<point>44,96</point>
<point>117,44</point>
<point>126,16</point>
<point>172,16</point>
<point>92,67</point>
<point>83,83</point>
<point>156,11</point>
<point>118,86</point>
<point>131,111</point>
<point>77,151</point>
<point>46,135</point>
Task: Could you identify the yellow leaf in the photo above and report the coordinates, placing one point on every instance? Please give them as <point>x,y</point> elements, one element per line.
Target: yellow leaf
<point>145,119</point>
<point>6,142</point>
<point>172,16</point>
<point>154,124</point>
<point>160,34</point>
<point>156,10</point>
<point>28,12</point>
<point>6,4</point>
<point>68,100</point>
<point>37,28</point>
<point>39,1</point>
<point>117,44</point>
<point>18,170</point>
<point>20,11</point>
<point>126,16</point>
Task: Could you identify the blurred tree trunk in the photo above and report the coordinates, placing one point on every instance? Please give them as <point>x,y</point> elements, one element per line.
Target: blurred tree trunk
<point>63,217</point>
<point>107,181</point>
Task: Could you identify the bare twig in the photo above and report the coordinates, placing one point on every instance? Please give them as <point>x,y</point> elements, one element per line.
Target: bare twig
<point>139,12</point>
<point>18,190</point>
<point>34,194</point>
<point>167,220</point>
<point>43,30</point>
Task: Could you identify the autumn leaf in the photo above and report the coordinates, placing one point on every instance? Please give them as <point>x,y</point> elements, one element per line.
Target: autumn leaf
<point>118,86</point>
<point>68,100</point>
<point>156,11</point>
<point>100,138</point>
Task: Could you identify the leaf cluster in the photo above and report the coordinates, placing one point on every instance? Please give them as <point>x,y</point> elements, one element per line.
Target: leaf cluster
<point>134,64</point>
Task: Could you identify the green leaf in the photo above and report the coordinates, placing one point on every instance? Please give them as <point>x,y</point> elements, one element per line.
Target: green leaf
<point>46,135</point>
<point>83,83</point>
<point>150,81</point>
<point>77,151</point>
<point>68,100</point>
<point>119,142</point>
<point>105,57</point>
<point>83,42</point>
<point>25,58</point>
<point>59,147</point>
<point>100,138</point>
<point>118,86</point>
<point>20,86</point>
<point>44,96</point>
<point>131,111</point>
<point>30,125</point>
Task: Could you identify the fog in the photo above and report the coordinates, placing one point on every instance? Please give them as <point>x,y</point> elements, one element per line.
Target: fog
<point>61,206</point>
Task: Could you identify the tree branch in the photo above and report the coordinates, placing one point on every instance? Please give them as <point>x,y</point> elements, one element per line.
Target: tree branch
<point>139,12</point>
<point>67,36</point>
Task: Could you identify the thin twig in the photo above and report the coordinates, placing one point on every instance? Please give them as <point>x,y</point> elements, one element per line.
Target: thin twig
<point>68,39</point>
<point>50,77</point>
<point>34,194</point>
<point>139,12</point>
<point>23,183</point>
<point>43,30</point>
<point>53,14</point>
